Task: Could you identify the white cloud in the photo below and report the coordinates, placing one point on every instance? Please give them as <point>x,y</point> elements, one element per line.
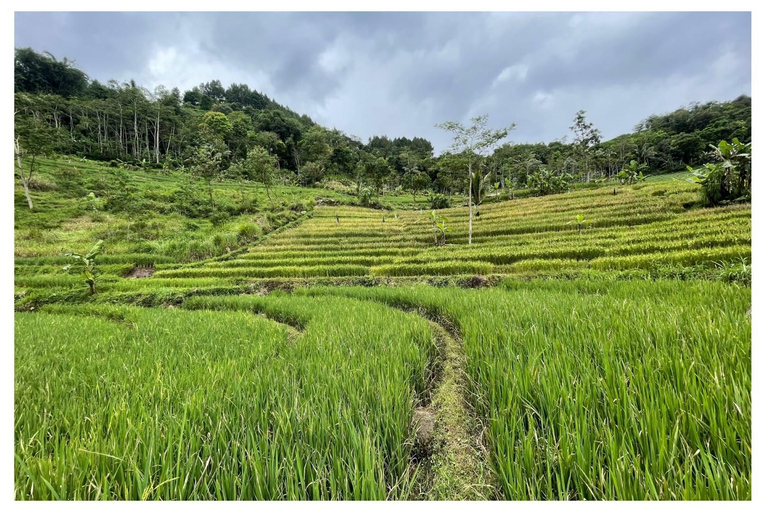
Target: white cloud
<point>516,72</point>
<point>543,100</point>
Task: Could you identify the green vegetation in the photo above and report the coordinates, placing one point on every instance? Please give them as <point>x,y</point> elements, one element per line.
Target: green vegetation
<point>285,312</point>
<point>647,399</point>
<point>218,405</point>
<point>730,179</point>
<point>211,131</point>
<point>88,264</point>
<point>643,227</point>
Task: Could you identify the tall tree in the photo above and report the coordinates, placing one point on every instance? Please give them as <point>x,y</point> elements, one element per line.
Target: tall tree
<point>33,138</point>
<point>208,160</point>
<point>585,137</point>
<point>474,142</point>
<point>261,166</point>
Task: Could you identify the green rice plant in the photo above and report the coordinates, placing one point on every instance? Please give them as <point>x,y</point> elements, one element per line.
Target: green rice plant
<point>604,389</point>
<point>294,271</point>
<point>174,404</point>
<point>442,268</point>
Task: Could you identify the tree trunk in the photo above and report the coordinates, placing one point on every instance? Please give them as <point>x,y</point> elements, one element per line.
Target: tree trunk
<point>470,203</point>
<point>26,193</point>
<point>157,139</point>
<point>24,179</point>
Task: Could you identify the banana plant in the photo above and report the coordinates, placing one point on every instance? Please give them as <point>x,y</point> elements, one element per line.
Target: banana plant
<point>632,173</point>
<point>439,224</point>
<point>92,201</point>
<point>87,264</point>
<point>580,222</point>
<point>510,190</point>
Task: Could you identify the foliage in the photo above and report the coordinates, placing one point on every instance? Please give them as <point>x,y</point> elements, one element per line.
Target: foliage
<point>87,264</point>
<point>730,177</point>
<point>260,166</point>
<point>439,225</point>
<point>544,181</point>
<point>366,196</point>
<point>439,202</point>
<point>164,128</point>
<point>470,143</point>
<point>208,162</point>
<point>580,222</point>
<point>479,186</point>
<point>632,173</point>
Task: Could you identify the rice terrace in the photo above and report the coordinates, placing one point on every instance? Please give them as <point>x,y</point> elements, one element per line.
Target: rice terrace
<point>219,298</point>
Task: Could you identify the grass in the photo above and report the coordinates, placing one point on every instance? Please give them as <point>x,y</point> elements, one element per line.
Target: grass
<point>636,390</point>
<point>164,404</point>
<point>607,363</point>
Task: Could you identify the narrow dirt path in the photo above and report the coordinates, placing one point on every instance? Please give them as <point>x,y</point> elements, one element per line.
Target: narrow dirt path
<point>458,465</point>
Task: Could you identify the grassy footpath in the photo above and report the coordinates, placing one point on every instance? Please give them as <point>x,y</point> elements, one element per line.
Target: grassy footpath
<point>589,390</point>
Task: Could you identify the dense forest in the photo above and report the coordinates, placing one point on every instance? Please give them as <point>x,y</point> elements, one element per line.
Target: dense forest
<point>213,132</point>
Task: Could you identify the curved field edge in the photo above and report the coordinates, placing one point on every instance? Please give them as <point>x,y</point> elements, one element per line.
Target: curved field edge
<point>233,408</point>
<point>596,390</point>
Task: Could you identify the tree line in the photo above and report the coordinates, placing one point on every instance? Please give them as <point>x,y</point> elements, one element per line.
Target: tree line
<point>213,132</point>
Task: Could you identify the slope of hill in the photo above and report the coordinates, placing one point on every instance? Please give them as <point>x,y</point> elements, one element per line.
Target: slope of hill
<point>625,376</point>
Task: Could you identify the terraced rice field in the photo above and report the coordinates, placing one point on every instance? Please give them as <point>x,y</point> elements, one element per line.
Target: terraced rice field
<point>635,228</point>
<point>597,385</point>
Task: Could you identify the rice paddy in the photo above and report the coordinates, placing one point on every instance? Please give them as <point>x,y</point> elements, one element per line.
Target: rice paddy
<point>607,361</point>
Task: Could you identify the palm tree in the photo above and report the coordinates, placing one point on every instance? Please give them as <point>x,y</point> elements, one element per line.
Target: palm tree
<point>646,152</point>
<point>479,188</point>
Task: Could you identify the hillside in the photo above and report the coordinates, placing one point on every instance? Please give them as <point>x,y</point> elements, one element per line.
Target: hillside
<point>578,351</point>
<point>219,298</point>
<point>654,228</point>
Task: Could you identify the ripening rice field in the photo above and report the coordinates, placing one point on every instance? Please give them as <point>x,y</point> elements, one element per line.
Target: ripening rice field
<point>649,228</point>
<point>641,227</point>
<point>607,362</point>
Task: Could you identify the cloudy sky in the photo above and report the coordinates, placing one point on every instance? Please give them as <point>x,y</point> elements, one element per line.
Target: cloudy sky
<point>398,74</point>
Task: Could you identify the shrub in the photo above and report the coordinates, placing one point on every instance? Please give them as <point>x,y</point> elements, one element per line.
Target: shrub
<point>439,202</point>
<point>247,231</point>
<point>543,181</point>
<point>730,177</point>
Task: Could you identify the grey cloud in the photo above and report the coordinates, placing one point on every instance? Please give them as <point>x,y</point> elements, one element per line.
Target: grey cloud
<point>400,73</point>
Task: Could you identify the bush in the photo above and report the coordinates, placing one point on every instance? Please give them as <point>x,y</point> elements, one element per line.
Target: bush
<point>41,185</point>
<point>247,232</point>
<point>219,217</point>
<point>543,181</point>
<point>366,197</point>
<point>730,177</point>
<point>439,202</point>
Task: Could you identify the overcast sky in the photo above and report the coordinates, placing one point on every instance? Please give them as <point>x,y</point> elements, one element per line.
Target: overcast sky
<point>398,74</point>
